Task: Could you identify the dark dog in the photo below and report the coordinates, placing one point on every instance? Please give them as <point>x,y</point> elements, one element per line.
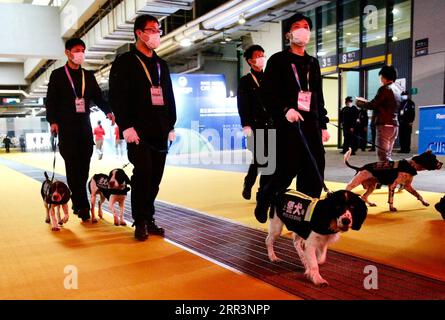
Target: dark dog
<point>114,188</point>
<point>440,206</point>
<point>315,224</point>
<point>54,195</point>
<point>392,174</point>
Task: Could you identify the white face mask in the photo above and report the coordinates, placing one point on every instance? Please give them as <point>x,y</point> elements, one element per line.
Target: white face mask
<point>153,41</point>
<point>404,98</point>
<point>301,37</point>
<point>78,58</point>
<point>260,62</point>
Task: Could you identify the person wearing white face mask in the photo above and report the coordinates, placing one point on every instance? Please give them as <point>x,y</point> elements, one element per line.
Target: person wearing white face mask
<point>252,112</point>
<point>141,96</point>
<point>71,89</point>
<point>292,92</point>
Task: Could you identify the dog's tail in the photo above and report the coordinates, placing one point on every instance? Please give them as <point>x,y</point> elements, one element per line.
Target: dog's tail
<point>46,176</point>
<point>346,158</point>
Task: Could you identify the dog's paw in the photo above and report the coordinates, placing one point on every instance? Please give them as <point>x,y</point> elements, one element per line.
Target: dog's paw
<point>93,220</point>
<point>392,209</point>
<point>65,219</point>
<point>47,220</point>
<point>123,223</point>
<point>372,204</point>
<point>317,280</point>
<point>426,204</point>
<point>101,216</point>
<point>60,223</point>
<point>55,229</point>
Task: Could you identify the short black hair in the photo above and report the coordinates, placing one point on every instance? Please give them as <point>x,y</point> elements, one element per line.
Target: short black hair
<point>348,99</point>
<point>141,22</point>
<point>248,54</point>
<point>295,18</point>
<point>389,73</point>
<point>71,43</point>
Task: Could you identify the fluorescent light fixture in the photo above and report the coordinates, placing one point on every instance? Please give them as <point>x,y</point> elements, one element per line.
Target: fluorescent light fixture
<point>328,31</point>
<point>395,38</point>
<point>227,39</point>
<point>348,34</point>
<point>241,20</point>
<point>41,2</point>
<point>395,11</point>
<point>321,53</point>
<point>186,42</point>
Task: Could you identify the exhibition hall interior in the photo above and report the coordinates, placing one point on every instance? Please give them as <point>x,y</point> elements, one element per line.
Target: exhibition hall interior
<point>135,165</point>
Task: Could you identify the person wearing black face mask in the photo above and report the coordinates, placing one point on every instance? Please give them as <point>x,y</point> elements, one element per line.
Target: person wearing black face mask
<point>292,91</point>
<point>407,114</point>
<point>71,90</point>
<point>141,96</point>
<point>252,113</point>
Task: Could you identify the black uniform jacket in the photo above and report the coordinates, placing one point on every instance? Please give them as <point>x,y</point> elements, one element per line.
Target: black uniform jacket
<point>130,97</point>
<point>280,89</point>
<point>250,107</point>
<point>61,107</point>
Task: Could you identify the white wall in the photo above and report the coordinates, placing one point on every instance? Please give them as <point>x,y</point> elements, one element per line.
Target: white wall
<point>75,13</point>
<point>29,31</point>
<point>11,74</point>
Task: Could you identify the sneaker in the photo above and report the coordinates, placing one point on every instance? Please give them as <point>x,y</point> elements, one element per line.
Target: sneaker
<point>84,214</point>
<point>140,232</point>
<point>154,229</point>
<point>247,192</point>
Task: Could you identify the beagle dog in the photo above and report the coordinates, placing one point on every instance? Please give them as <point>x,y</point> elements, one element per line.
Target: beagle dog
<point>314,225</point>
<point>55,194</point>
<point>114,188</point>
<point>392,174</point>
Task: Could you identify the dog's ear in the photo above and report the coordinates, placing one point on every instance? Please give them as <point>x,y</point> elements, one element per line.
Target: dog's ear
<point>359,212</point>
<point>127,179</point>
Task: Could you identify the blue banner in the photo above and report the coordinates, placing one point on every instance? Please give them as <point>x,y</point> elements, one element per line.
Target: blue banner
<point>207,119</point>
<point>432,129</point>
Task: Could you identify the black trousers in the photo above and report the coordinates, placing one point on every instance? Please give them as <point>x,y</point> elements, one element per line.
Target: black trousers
<point>77,155</point>
<point>148,170</point>
<point>294,161</point>
<point>255,167</point>
<point>405,131</point>
<point>363,138</point>
<point>350,140</point>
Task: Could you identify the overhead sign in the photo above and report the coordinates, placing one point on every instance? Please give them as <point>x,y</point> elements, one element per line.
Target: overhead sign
<point>326,62</point>
<point>349,57</point>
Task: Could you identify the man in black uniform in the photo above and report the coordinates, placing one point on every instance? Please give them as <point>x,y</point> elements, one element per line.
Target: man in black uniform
<point>362,128</point>
<point>252,112</point>
<point>349,116</point>
<point>71,89</point>
<point>293,95</point>
<point>407,114</point>
<point>141,96</point>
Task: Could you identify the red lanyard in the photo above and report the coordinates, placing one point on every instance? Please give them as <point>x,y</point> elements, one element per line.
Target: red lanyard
<point>298,78</point>
<point>72,82</point>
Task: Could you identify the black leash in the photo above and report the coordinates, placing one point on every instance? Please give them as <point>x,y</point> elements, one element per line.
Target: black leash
<point>153,148</point>
<point>303,138</point>
<point>363,139</point>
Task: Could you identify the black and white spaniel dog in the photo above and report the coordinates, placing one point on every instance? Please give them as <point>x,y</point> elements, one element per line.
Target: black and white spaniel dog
<point>114,188</point>
<point>314,224</point>
<point>55,194</point>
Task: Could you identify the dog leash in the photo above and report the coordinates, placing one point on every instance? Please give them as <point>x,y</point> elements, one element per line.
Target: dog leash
<point>153,148</point>
<point>363,139</point>
<point>303,138</point>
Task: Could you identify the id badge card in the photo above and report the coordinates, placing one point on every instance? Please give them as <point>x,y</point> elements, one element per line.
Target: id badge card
<point>304,101</point>
<point>157,98</point>
<point>80,105</point>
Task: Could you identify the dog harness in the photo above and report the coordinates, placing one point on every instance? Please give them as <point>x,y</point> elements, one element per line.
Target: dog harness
<point>102,184</point>
<point>386,172</point>
<point>47,196</point>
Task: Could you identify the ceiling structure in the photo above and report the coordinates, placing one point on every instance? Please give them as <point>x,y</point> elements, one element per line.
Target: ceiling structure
<point>110,31</point>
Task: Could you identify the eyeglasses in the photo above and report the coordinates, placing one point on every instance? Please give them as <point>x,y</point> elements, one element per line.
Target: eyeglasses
<point>154,31</point>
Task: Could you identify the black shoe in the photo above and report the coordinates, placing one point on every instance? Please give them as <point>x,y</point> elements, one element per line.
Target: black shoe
<point>140,233</point>
<point>84,214</point>
<point>261,209</point>
<point>247,192</point>
<point>154,229</point>
<point>371,150</point>
<point>378,186</point>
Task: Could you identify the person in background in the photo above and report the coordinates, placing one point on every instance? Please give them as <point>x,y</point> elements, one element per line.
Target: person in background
<point>252,112</point>
<point>7,143</point>
<point>141,95</point>
<point>407,114</point>
<point>292,91</point>
<point>361,129</point>
<point>349,116</point>
<point>22,143</point>
<point>71,89</point>
<point>385,105</point>
<point>119,141</point>
<point>99,134</point>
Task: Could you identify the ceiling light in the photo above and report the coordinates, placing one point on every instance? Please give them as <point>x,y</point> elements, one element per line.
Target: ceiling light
<point>186,42</point>
<point>395,11</point>
<point>321,53</point>
<point>328,31</point>
<point>395,38</point>
<point>241,19</point>
<point>223,42</point>
<point>348,34</point>
<point>227,39</point>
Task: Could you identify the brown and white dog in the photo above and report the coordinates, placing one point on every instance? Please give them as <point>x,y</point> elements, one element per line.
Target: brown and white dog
<point>55,194</point>
<point>114,188</point>
<point>392,174</point>
<point>314,224</point>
